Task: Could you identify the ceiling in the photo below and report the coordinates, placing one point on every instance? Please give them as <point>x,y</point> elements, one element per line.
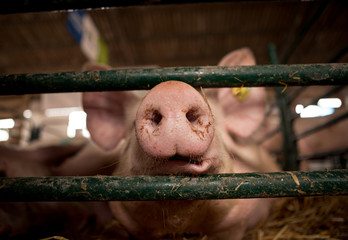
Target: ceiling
<point>178,35</point>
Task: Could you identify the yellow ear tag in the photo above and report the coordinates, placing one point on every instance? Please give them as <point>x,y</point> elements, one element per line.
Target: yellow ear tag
<point>242,93</point>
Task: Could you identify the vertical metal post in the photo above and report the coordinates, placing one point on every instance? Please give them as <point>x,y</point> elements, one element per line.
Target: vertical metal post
<point>289,137</point>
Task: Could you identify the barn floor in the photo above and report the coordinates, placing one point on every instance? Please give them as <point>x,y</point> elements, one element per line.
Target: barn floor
<point>312,218</point>
<point>305,218</point>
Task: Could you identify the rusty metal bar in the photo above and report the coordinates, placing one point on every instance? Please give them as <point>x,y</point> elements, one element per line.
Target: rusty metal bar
<point>146,188</point>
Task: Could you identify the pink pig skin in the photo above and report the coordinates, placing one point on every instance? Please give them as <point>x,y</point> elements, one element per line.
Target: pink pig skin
<point>178,131</point>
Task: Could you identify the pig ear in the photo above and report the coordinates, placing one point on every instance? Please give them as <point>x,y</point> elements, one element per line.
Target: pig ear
<point>240,57</point>
<point>105,113</point>
<point>243,115</point>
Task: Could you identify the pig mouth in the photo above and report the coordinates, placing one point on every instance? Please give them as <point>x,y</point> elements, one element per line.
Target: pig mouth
<point>189,160</point>
<point>182,165</point>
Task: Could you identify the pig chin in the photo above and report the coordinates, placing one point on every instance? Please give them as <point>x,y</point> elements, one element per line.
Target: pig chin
<point>178,165</point>
<point>143,164</point>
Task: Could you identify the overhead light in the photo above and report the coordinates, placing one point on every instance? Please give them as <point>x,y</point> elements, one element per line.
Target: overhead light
<point>4,135</point>
<point>60,112</point>
<point>77,121</point>
<point>330,102</point>
<point>299,108</point>
<point>7,123</point>
<point>312,111</point>
<point>27,114</point>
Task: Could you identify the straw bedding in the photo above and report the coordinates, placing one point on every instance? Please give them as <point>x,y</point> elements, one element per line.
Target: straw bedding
<point>304,218</point>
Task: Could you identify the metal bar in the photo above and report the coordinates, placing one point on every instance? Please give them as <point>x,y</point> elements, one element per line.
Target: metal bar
<point>289,137</point>
<point>323,155</point>
<point>137,79</point>
<point>24,6</point>
<point>303,31</point>
<point>328,94</point>
<point>145,188</point>
<point>323,125</point>
<point>269,135</point>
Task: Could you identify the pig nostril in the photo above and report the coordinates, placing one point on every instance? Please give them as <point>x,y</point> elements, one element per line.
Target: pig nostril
<point>192,115</point>
<point>156,117</point>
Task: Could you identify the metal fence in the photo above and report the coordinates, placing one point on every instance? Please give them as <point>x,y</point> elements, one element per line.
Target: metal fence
<point>222,186</point>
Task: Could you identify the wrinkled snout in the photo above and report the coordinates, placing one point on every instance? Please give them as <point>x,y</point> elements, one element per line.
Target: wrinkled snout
<point>174,120</point>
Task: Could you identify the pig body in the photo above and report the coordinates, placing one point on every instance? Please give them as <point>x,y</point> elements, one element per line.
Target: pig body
<point>177,131</point>
<point>217,219</point>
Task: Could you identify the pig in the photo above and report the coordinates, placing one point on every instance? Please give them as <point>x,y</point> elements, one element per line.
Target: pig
<point>179,131</point>
<point>172,130</point>
<point>36,220</point>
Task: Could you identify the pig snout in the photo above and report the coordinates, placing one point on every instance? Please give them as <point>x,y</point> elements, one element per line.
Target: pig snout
<point>174,121</point>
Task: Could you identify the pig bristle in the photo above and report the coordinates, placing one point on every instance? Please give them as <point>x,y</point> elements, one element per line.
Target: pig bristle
<point>205,98</point>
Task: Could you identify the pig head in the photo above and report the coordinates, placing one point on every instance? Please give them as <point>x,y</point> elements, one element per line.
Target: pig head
<point>176,130</point>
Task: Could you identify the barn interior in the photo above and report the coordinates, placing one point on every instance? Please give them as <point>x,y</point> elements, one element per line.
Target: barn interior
<point>170,35</point>
<point>160,34</point>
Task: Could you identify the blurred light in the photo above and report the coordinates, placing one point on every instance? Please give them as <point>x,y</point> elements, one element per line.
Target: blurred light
<point>59,112</point>
<point>4,135</point>
<point>27,113</point>
<point>86,133</point>
<point>299,108</point>
<point>7,123</point>
<point>77,120</point>
<point>312,111</point>
<point>330,102</point>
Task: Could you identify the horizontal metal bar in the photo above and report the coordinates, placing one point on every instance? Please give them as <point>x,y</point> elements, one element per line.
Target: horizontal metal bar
<point>269,135</point>
<point>323,125</point>
<point>327,94</point>
<point>136,79</point>
<point>223,186</point>
<point>23,6</point>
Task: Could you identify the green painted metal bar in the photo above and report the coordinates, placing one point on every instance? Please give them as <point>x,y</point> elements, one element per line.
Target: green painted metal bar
<point>136,79</point>
<point>145,188</point>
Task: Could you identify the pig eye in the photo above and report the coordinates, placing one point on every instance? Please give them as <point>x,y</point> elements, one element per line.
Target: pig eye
<point>192,115</point>
<point>156,117</point>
